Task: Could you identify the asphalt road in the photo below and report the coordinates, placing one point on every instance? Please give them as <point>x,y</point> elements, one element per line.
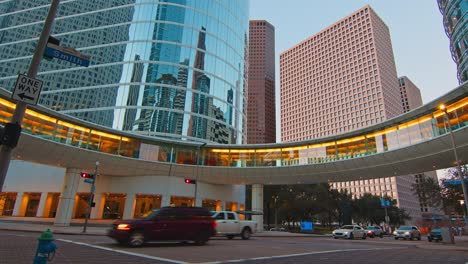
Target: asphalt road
<point>19,247</point>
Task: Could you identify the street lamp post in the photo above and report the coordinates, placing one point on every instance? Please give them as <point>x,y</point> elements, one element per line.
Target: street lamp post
<point>462,204</point>
<point>275,198</point>
<point>457,162</point>
<point>91,197</point>
<point>196,176</point>
<point>385,204</point>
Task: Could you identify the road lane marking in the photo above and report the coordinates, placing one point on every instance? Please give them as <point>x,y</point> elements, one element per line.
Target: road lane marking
<point>301,254</point>
<point>122,251</point>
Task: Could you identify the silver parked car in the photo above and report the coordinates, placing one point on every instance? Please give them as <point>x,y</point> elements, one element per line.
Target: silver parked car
<point>407,232</point>
<point>350,232</point>
<point>373,231</point>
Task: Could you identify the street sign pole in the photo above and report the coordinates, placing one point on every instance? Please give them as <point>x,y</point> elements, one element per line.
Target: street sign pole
<point>18,115</point>
<point>91,197</point>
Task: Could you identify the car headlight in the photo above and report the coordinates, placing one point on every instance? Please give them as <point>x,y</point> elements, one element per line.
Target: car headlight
<point>407,233</point>
<point>345,232</point>
<point>394,232</point>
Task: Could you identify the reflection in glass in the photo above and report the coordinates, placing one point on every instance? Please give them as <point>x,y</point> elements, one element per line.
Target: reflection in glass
<point>170,68</point>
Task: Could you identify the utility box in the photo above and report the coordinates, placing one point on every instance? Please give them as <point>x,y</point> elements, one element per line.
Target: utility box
<point>447,235</point>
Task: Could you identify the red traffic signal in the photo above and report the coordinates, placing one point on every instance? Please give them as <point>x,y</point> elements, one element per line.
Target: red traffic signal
<point>86,175</point>
<point>190,181</point>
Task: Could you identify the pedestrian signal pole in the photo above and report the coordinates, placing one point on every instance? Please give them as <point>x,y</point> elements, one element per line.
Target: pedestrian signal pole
<point>91,197</point>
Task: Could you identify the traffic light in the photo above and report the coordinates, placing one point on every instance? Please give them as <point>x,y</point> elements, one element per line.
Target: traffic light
<point>86,175</point>
<point>10,134</point>
<point>190,181</point>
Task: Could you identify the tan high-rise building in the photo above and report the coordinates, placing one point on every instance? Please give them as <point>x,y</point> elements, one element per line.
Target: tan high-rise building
<point>410,94</point>
<point>261,119</point>
<point>399,188</point>
<point>340,79</point>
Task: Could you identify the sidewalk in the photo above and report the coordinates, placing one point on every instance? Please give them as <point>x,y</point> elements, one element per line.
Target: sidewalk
<point>33,224</point>
<point>100,227</point>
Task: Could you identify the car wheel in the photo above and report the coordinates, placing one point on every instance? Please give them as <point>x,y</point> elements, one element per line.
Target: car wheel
<point>335,237</point>
<point>429,239</point>
<point>230,236</point>
<point>419,237</point>
<point>396,238</point>
<point>137,239</point>
<point>246,233</point>
<point>122,242</point>
<point>364,236</point>
<point>381,235</point>
<point>351,236</point>
<point>202,238</point>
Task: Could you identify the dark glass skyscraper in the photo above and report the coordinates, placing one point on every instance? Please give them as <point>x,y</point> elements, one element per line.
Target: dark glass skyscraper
<point>169,68</point>
<point>455,14</point>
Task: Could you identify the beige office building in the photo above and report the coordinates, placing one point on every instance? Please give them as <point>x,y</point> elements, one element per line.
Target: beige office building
<point>410,94</point>
<point>342,79</point>
<point>401,187</point>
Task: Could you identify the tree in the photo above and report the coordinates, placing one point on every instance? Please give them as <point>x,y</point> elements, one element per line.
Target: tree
<point>273,200</point>
<point>429,192</point>
<point>368,210</point>
<point>398,216</point>
<point>452,194</point>
<point>306,202</point>
<point>320,203</point>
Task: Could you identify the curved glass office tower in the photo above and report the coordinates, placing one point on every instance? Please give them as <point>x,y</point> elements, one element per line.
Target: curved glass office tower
<point>455,14</point>
<point>169,68</point>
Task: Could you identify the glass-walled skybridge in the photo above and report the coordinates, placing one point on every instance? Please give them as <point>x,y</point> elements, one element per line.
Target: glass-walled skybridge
<point>414,142</point>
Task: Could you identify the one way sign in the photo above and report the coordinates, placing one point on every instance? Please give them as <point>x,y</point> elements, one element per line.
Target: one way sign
<point>27,89</point>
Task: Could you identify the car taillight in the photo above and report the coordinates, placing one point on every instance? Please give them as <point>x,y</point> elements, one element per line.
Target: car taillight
<point>214,224</point>
<point>123,227</point>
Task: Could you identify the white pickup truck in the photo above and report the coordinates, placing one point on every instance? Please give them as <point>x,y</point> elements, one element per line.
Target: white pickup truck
<point>230,225</point>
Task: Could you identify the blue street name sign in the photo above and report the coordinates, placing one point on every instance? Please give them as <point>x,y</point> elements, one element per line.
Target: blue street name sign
<point>453,182</point>
<point>385,202</point>
<point>91,181</point>
<point>67,54</point>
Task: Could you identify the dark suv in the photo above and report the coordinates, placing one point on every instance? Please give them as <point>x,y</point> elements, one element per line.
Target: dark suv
<point>166,224</point>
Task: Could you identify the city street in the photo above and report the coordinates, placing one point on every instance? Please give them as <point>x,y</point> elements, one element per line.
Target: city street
<point>19,247</point>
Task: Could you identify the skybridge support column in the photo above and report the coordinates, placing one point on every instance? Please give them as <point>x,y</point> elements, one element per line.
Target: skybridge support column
<point>166,200</point>
<point>257,205</point>
<point>67,197</point>
<point>18,209</point>
<point>129,208</point>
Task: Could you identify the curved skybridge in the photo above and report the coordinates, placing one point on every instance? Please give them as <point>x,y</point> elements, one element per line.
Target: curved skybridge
<point>414,142</point>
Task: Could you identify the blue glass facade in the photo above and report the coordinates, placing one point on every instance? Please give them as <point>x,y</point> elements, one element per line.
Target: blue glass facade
<point>169,68</point>
<point>455,14</point>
